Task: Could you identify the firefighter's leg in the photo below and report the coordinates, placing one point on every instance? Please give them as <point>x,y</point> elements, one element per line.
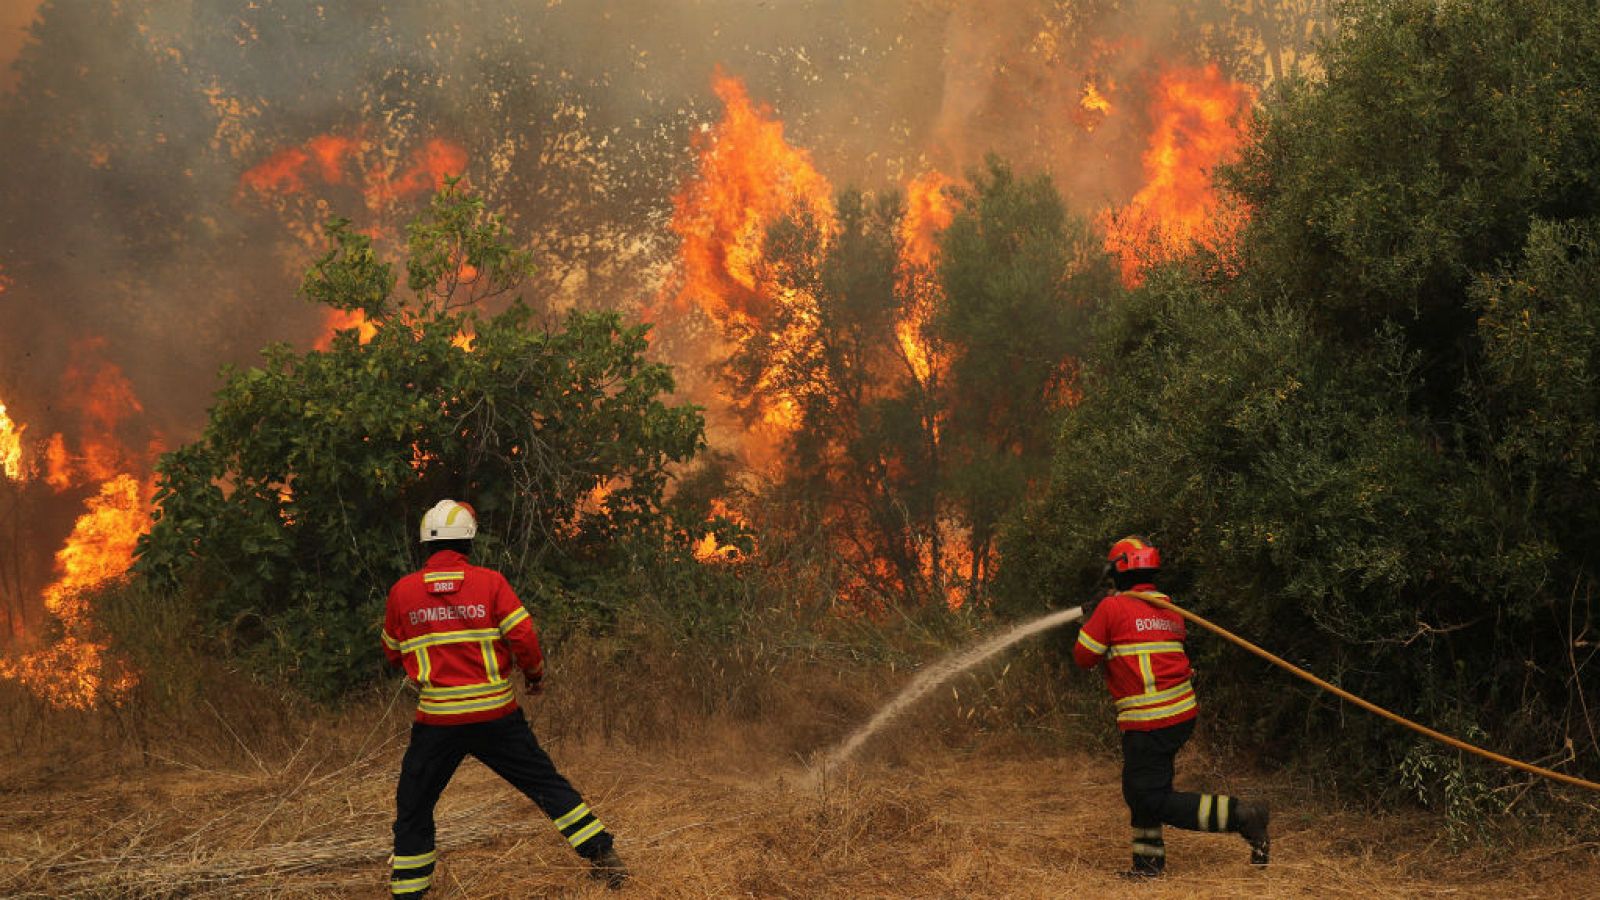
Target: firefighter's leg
<point>431,759</point>
<point>507,746</point>
<point>1146,781</point>
<point>1203,812</point>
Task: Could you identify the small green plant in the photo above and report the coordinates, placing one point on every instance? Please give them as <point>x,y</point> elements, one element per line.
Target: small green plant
<point>1445,780</point>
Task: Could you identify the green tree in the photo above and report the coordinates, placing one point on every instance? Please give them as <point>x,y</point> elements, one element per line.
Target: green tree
<point>296,507</point>
<point>1020,278</point>
<point>1369,444</point>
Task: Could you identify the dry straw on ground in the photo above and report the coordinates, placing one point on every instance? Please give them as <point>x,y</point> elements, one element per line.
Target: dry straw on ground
<point>705,805</point>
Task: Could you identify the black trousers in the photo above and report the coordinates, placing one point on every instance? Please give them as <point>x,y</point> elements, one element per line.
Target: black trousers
<point>1147,772</point>
<point>507,746</point>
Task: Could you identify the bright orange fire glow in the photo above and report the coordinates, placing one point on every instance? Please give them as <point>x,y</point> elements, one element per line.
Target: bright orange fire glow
<point>929,211</point>
<point>748,178</point>
<point>104,399</point>
<point>100,547</point>
<point>10,446</point>
<point>330,151</point>
<point>336,320</point>
<point>279,174</point>
<point>1093,100</point>
<point>1197,115</point>
<point>710,550</point>
<point>329,156</point>
<point>440,160</point>
<point>77,672</point>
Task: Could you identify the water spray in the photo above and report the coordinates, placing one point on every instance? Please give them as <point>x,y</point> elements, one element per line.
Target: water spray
<point>938,674</point>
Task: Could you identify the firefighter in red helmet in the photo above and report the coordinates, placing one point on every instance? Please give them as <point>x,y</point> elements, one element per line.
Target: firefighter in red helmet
<point>1147,671</point>
<point>459,631</point>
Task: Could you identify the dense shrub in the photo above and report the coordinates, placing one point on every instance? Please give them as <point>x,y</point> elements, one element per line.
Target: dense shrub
<point>297,506</point>
<point>1369,441</point>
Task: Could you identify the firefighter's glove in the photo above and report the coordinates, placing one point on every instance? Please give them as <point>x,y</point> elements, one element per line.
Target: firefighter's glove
<point>534,682</point>
<point>1088,609</point>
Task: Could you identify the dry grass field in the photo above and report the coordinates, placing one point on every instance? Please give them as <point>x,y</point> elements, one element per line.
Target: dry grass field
<point>704,808</point>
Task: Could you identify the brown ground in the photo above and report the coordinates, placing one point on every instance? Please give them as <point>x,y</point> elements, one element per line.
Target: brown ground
<point>720,813</point>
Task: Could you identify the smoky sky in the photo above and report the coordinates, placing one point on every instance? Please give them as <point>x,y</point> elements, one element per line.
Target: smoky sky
<point>128,124</point>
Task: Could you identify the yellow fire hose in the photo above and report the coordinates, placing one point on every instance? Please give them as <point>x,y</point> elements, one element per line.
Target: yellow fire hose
<point>1370,707</point>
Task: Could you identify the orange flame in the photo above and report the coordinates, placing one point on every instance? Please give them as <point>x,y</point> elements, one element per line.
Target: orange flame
<point>748,177</point>
<point>279,174</point>
<point>708,549</point>
<point>337,320</point>
<point>77,671</point>
<point>10,446</point>
<point>327,156</point>
<point>929,211</point>
<point>1093,100</point>
<point>329,151</point>
<point>104,400</point>
<point>440,160</point>
<point>1092,108</point>
<point>1197,115</point>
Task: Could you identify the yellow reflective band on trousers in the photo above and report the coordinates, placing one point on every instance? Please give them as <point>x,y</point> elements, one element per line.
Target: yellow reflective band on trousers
<point>410,884</point>
<point>412,862</point>
<point>1221,805</point>
<point>1157,850</point>
<point>578,812</point>
<point>593,829</point>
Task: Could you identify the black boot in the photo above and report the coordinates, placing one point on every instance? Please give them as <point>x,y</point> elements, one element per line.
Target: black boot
<point>1149,854</point>
<point>1251,821</point>
<point>609,867</point>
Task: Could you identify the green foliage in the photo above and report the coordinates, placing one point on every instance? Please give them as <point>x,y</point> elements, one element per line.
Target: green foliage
<point>1020,280</point>
<point>297,506</point>
<point>1372,447</point>
<point>1446,780</point>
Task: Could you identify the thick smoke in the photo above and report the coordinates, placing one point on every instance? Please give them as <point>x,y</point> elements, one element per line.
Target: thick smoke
<point>129,123</point>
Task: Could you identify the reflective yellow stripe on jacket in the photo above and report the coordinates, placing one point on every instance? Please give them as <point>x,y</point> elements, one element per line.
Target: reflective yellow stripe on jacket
<point>450,701</point>
<point>449,637</point>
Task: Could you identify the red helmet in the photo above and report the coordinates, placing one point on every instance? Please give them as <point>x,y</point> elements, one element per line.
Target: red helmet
<point>1133,552</point>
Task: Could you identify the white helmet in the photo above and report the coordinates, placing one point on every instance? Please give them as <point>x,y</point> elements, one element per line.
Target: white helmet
<point>449,521</point>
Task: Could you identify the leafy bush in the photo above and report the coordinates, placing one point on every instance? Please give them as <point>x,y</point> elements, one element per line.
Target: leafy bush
<point>297,506</point>
<point>1370,444</point>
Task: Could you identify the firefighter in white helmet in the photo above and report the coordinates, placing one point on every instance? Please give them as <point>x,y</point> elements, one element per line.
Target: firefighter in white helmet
<point>459,630</point>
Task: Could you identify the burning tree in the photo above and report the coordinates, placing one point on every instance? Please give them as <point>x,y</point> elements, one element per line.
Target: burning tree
<point>295,509</point>
<point>919,350</point>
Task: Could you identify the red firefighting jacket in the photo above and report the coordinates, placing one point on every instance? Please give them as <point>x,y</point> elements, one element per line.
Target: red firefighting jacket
<point>1146,669</point>
<point>459,629</point>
